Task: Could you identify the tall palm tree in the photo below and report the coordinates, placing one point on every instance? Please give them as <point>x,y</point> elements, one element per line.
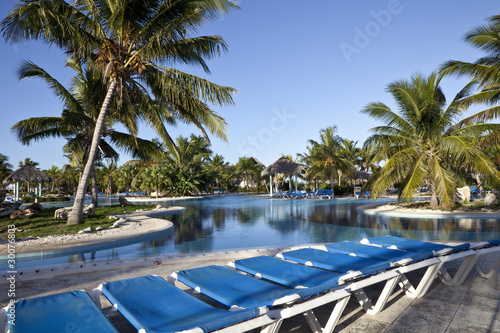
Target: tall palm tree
<point>132,42</point>
<point>326,155</point>
<point>5,168</point>
<point>55,173</point>
<point>28,161</point>
<point>77,121</point>
<point>246,166</point>
<point>218,167</point>
<point>486,69</point>
<point>422,144</point>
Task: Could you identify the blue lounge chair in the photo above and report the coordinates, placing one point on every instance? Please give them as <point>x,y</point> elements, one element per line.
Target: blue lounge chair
<point>72,311</point>
<point>376,252</point>
<point>328,194</point>
<point>336,262</point>
<point>151,304</point>
<point>287,274</point>
<point>445,253</point>
<point>236,290</point>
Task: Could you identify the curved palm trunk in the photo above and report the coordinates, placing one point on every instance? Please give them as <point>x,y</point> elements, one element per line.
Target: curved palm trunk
<point>76,216</point>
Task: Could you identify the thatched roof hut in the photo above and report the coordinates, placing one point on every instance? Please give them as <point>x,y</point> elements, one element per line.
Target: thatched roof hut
<point>27,173</point>
<point>283,165</point>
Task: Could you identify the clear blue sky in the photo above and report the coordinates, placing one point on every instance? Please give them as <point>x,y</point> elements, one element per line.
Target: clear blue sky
<point>299,66</point>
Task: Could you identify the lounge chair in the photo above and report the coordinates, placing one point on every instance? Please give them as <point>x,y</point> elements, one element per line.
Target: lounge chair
<point>151,304</point>
<point>316,194</point>
<point>236,290</point>
<point>72,311</point>
<point>445,253</point>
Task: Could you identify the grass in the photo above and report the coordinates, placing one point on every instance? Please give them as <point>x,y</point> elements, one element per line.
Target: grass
<point>45,224</point>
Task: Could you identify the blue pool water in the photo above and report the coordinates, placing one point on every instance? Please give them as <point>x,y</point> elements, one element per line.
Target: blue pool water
<point>237,222</point>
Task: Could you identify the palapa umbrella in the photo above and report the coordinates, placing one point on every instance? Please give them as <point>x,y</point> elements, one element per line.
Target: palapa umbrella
<point>282,165</point>
<point>27,173</point>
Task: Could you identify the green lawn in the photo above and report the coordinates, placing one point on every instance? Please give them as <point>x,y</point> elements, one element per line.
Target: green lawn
<point>45,224</point>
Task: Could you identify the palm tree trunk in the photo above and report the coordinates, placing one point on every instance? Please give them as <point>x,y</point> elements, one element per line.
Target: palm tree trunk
<point>331,183</point>
<point>434,199</point>
<point>95,197</point>
<point>246,176</point>
<point>76,216</point>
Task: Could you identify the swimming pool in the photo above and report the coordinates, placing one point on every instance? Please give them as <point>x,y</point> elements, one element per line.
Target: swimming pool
<point>228,222</point>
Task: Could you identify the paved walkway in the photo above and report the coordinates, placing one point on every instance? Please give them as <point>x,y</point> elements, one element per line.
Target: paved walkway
<point>472,307</point>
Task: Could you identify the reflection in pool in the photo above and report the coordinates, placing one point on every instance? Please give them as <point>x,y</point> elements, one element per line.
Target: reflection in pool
<point>236,222</point>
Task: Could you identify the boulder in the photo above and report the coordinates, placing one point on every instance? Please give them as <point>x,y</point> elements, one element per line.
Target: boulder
<point>123,201</point>
<point>24,214</point>
<point>63,213</point>
<point>7,208</point>
<point>490,199</point>
<point>462,194</point>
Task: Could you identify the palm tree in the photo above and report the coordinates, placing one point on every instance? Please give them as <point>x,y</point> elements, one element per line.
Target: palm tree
<point>108,174</point>
<point>131,42</point>
<point>485,69</point>
<point>54,173</point>
<point>218,167</point>
<point>28,161</point>
<point>246,166</point>
<point>5,168</point>
<point>326,155</point>
<point>349,152</point>
<point>422,144</point>
<point>77,121</point>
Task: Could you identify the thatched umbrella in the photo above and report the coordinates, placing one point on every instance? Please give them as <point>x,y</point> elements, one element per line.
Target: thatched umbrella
<point>283,165</point>
<point>27,173</point>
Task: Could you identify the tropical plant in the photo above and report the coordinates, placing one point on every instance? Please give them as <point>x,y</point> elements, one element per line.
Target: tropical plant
<point>218,168</point>
<point>28,161</point>
<point>421,144</point>
<point>246,166</point>
<point>130,42</point>
<point>77,121</point>
<point>326,156</point>
<point>107,176</point>
<point>54,173</point>
<point>5,168</point>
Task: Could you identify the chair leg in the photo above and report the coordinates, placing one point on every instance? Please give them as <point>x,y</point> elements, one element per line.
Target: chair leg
<point>491,272</point>
<point>366,303</point>
<point>425,282</point>
<point>272,328</point>
<point>335,315</point>
<point>312,321</point>
<point>462,273</point>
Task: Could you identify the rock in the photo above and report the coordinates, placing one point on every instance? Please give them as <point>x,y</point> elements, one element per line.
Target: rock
<point>99,228</point>
<point>35,206</point>
<point>491,199</point>
<point>158,207</point>
<point>7,208</point>
<point>86,230</point>
<point>119,222</point>
<point>123,201</point>
<point>24,214</point>
<point>63,213</point>
<point>462,194</point>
